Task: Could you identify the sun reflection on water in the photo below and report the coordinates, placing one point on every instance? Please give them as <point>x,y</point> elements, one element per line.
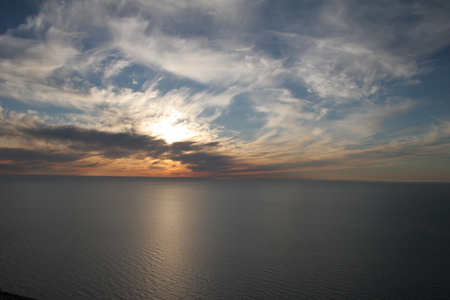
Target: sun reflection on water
<point>173,225</point>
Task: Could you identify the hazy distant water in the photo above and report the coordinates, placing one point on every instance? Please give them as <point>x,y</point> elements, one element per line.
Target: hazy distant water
<point>119,238</point>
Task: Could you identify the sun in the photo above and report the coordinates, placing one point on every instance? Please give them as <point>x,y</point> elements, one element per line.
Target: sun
<point>171,132</point>
<point>172,128</point>
<point>175,127</point>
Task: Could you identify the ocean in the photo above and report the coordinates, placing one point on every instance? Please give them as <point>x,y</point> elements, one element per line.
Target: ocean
<point>152,238</point>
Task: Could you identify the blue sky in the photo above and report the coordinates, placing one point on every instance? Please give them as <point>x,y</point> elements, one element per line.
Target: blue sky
<point>289,89</point>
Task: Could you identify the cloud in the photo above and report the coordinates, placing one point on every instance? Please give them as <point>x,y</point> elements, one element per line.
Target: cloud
<point>344,69</point>
<point>195,58</point>
<point>365,122</point>
<point>439,133</point>
<point>82,143</point>
<point>78,48</point>
<point>95,140</point>
<point>32,156</point>
<point>29,160</point>
<point>206,162</point>
<point>352,49</point>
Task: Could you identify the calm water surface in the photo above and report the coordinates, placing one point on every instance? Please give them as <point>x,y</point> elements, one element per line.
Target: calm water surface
<point>136,238</point>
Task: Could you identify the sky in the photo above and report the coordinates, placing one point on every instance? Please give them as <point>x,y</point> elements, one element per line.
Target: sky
<point>313,89</point>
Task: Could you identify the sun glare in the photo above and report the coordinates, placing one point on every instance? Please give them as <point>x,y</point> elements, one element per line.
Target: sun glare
<point>172,130</point>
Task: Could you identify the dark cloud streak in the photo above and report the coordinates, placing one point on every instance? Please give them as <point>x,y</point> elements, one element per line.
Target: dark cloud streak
<point>93,140</point>
<point>114,145</point>
<point>25,155</point>
<point>22,160</point>
<point>205,162</point>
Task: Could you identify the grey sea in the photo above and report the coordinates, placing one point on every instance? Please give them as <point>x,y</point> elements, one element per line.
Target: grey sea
<point>148,238</point>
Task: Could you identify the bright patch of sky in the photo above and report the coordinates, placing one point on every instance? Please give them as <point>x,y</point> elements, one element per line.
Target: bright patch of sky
<point>298,89</point>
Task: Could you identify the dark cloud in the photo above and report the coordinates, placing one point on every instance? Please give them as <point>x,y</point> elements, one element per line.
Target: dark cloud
<point>31,156</point>
<point>284,166</point>
<point>21,160</point>
<point>87,166</point>
<point>114,144</point>
<point>205,162</point>
<point>198,157</point>
<point>180,147</point>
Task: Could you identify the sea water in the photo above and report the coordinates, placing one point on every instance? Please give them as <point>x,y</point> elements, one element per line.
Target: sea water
<point>150,238</point>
